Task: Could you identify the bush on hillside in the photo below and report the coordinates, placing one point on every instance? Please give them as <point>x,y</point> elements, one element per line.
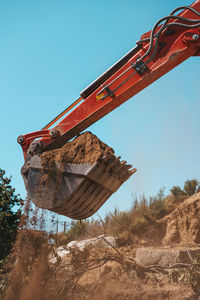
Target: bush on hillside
<point>157,205</point>
<point>191,187</point>
<point>145,212</point>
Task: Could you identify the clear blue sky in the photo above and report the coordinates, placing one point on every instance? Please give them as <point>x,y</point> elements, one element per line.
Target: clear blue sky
<point>51,50</point>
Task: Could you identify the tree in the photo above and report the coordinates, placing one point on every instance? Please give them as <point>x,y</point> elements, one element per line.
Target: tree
<point>176,191</point>
<point>191,187</point>
<point>9,214</point>
<point>178,194</point>
<point>157,205</point>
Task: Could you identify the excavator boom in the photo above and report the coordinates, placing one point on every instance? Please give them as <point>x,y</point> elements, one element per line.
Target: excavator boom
<point>172,40</point>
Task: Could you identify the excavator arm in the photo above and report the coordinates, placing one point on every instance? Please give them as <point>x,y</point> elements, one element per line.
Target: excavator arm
<point>172,40</point>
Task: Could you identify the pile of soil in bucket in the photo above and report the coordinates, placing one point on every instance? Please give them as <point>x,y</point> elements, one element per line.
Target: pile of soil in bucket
<point>85,148</point>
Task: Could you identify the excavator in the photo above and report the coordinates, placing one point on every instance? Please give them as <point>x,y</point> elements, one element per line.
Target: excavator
<point>78,190</point>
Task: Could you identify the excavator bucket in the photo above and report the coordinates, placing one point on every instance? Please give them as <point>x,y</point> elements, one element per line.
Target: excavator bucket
<point>76,190</point>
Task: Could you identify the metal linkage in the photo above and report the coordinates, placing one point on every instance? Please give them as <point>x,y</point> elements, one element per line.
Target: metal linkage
<point>140,65</point>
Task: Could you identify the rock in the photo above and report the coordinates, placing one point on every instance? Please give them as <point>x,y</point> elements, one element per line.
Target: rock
<point>165,257</point>
<point>62,251</point>
<point>183,224</point>
<point>99,239</point>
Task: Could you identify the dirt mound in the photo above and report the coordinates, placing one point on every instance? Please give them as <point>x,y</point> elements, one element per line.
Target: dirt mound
<point>86,148</point>
<point>183,224</point>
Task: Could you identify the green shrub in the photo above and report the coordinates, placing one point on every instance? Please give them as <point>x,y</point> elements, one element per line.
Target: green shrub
<point>61,239</point>
<point>77,230</point>
<point>191,187</point>
<point>138,224</point>
<point>124,239</point>
<point>157,205</point>
<point>9,219</point>
<point>119,222</point>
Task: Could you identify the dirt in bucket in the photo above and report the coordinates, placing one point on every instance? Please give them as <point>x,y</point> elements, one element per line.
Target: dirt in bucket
<point>85,148</point>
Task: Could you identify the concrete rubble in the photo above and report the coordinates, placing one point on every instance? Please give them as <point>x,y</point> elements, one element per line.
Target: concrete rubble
<point>105,241</point>
<point>165,257</point>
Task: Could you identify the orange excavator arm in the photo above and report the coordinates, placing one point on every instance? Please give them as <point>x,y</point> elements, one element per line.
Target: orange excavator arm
<point>173,39</point>
<point>77,188</point>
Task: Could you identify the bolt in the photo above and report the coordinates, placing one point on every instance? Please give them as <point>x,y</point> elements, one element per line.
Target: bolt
<point>195,37</point>
<point>20,139</point>
<point>54,133</point>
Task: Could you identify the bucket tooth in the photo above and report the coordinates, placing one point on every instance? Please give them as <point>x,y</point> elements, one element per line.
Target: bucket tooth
<point>132,171</point>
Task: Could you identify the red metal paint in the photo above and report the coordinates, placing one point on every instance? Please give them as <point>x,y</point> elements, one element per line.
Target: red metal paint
<point>178,47</point>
